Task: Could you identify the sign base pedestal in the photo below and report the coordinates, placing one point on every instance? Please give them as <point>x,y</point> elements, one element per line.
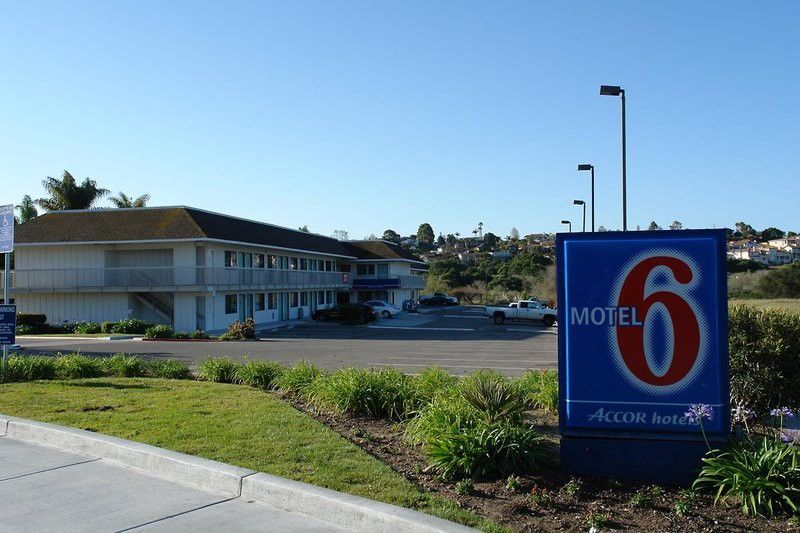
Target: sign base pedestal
<point>663,462</point>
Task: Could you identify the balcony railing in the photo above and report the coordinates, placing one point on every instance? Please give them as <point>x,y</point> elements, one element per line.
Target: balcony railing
<point>382,282</point>
<point>164,277</point>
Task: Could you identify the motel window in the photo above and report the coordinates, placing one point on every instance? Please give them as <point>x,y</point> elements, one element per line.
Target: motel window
<point>365,270</point>
<point>258,302</point>
<point>230,259</point>
<point>292,263</point>
<point>303,298</point>
<point>293,299</point>
<point>328,266</point>
<point>272,261</point>
<point>303,264</point>
<point>230,304</point>
<point>258,260</point>
<point>383,270</point>
<point>330,297</point>
<point>320,297</point>
<point>344,268</point>
<point>272,300</point>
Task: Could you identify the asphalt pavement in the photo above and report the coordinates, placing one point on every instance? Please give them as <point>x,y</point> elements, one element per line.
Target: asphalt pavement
<point>459,339</point>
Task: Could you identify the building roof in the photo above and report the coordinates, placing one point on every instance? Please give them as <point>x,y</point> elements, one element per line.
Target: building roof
<point>375,250</point>
<point>187,223</point>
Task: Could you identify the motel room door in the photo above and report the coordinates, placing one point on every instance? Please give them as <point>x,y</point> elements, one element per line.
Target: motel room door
<point>283,304</point>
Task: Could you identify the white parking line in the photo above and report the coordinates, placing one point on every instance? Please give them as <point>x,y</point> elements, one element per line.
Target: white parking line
<point>421,329</point>
<point>465,316</point>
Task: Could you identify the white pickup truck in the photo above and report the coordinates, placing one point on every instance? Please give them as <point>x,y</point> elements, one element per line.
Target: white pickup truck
<point>522,310</point>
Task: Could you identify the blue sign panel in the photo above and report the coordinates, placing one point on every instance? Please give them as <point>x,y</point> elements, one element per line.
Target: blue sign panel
<point>8,322</point>
<point>642,319</point>
<point>376,283</point>
<point>6,229</point>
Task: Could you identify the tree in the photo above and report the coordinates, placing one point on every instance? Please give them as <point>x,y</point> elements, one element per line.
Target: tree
<point>771,234</point>
<point>791,234</point>
<point>744,231</point>
<point>371,237</point>
<point>425,234</point>
<point>451,239</point>
<point>391,236</point>
<point>602,228</point>
<point>490,240</point>
<point>340,234</point>
<point>27,210</point>
<point>66,194</point>
<point>514,234</point>
<point>304,229</point>
<point>653,226</point>
<point>676,225</point>
<point>440,240</point>
<point>123,200</point>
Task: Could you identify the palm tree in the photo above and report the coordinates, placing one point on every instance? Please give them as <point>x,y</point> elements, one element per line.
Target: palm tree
<point>27,209</point>
<point>66,194</point>
<point>123,200</point>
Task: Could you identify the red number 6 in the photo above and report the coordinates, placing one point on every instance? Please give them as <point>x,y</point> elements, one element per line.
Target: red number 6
<point>685,329</point>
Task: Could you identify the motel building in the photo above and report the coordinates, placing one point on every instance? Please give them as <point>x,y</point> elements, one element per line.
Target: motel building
<point>195,269</point>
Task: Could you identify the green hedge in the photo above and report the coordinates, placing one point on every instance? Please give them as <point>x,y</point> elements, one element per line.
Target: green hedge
<point>764,357</point>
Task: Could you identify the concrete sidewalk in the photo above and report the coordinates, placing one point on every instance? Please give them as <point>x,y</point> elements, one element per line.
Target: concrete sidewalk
<point>42,489</point>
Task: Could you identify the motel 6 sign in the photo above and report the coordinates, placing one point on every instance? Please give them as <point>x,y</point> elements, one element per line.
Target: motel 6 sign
<point>642,319</point>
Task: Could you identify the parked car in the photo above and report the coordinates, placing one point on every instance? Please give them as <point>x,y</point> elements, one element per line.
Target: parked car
<point>438,298</point>
<point>522,310</point>
<point>383,309</point>
<point>346,313</point>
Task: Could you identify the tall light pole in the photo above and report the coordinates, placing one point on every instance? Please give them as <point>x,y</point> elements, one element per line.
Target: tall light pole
<point>581,202</point>
<point>587,166</point>
<point>569,223</point>
<point>616,90</point>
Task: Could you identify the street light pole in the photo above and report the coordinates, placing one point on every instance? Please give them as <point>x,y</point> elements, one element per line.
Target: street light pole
<point>587,166</point>
<point>569,223</point>
<point>616,90</point>
<point>581,202</point>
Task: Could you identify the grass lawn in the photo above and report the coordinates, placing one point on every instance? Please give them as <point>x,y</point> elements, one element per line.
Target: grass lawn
<point>233,424</point>
<point>788,304</point>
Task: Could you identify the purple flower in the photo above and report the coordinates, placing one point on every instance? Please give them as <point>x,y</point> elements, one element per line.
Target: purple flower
<point>740,413</point>
<point>790,436</point>
<point>783,412</point>
<point>698,412</point>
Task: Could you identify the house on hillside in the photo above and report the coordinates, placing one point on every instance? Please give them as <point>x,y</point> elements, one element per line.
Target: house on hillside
<point>195,269</point>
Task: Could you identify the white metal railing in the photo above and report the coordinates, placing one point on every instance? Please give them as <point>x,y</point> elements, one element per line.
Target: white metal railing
<point>217,277</point>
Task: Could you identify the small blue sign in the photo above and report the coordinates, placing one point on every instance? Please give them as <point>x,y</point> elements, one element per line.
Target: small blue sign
<point>6,229</point>
<point>8,323</point>
<point>642,319</point>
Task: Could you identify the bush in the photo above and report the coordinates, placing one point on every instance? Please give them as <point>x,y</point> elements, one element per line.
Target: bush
<point>781,283</point>
<point>107,327</point>
<point>763,474</point>
<point>182,335</point>
<point>75,366</point>
<point>239,331</point>
<point>218,369</point>
<point>25,330</point>
<point>487,450</point>
<point>432,382</point>
<point>130,326</point>
<point>384,393</point>
<point>539,389</point>
<point>168,369</point>
<point>764,357</point>
<point>123,366</point>
<point>87,328</point>
<point>29,368</point>
<point>299,377</point>
<point>199,334</point>
<point>35,321</point>
<point>259,374</point>
<point>447,413</point>
<point>494,395</point>
<point>158,332</point>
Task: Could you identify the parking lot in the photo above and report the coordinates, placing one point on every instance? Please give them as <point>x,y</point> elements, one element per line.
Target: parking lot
<point>459,339</point>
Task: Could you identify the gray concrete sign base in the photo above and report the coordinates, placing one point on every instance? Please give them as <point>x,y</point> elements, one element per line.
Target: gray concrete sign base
<point>54,478</point>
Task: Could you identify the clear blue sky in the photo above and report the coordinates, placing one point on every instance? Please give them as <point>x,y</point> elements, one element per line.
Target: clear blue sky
<point>369,115</point>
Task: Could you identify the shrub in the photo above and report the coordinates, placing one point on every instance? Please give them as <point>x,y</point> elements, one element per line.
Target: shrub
<point>513,483</point>
<point>541,497</point>
<point>494,395</point>
<point>433,381</point>
<point>87,328</point>
<point>168,369</point>
<point>74,366</point>
<point>781,283</point>
<point>199,334</point>
<point>487,450</point>
<point>239,331</point>
<point>447,413</point>
<point>465,487</point>
<point>25,330</point>
<point>539,389</point>
<point>29,368</point>
<point>764,357</point>
<point>35,321</point>
<point>385,393</point>
<point>182,335</point>
<point>158,332</point>
<point>299,377</point>
<point>130,326</point>
<point>574,487</point>
<point>218,369</point>
<point>107,327</point>
<point>124,366</point>
<point>259,374</point>
<point>762,473</point>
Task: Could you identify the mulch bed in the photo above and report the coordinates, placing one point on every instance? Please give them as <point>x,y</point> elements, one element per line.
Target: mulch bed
<point>598,496</point>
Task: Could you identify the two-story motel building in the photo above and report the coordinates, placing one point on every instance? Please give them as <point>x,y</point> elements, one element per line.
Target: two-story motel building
<point>194,269</point>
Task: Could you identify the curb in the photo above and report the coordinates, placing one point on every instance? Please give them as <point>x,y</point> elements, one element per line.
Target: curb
<point>342,510</point>
<point>109,338</point>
